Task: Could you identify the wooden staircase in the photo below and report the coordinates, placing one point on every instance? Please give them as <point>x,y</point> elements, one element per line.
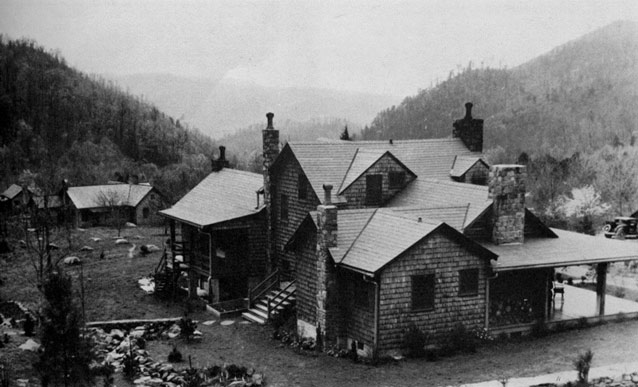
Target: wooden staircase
<point>269,298</point>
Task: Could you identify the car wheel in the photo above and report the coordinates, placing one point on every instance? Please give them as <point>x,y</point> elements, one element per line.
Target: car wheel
<point>620,233</point>
<point>607,228</point>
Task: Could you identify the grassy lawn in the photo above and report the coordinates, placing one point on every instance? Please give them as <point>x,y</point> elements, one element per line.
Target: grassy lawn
<point>112,293</point>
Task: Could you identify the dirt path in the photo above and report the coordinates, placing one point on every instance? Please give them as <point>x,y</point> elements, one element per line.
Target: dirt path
<point>250,345</point>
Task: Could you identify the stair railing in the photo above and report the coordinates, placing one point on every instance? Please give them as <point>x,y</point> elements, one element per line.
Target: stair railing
<point>269,302</point>
<point>264,286</point>
<point>162,263</point>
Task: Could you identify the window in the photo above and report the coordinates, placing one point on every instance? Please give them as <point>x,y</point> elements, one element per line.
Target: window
<point>396,179</point>
<point>302,186</point>
<point>423,292</point>
<point>145,212</point>
<point>374,190</point>
<point>284,208</point>
<point>468,282</point>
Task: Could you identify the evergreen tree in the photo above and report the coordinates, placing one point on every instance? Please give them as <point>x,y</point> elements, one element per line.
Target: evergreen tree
<point>345,135</point>
<point>67,353</point>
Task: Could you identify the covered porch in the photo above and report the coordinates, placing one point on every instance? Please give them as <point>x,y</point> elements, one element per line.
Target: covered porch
<point>530,282</point>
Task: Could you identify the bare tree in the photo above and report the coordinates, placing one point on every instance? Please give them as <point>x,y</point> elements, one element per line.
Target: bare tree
<point>116,204</point>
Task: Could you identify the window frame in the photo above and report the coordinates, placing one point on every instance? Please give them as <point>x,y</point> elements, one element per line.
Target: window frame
<point>302,187</point>
<point>396,179</point>
<point>428,289</point>
<point>374,201</point>
<point>470,289</point>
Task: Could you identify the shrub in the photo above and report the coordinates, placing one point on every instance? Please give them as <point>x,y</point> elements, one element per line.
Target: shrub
<point>131,364</point>
<point>583,364</point>
<point>582,323</point>
<point>539,329</point>
<point>187,327</point>
<point>236,372</point>
<point>174,356</point>
<point>414,342</point>
<point>460,340</point>
<point>620,293</point>
<point>105,371</point>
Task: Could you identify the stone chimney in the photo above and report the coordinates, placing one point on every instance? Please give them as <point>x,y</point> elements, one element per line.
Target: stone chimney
<point>507,190</point>
<point>327,297</point>
<point>221,161</point>
<point>270,144</point>
<point>469,130</point>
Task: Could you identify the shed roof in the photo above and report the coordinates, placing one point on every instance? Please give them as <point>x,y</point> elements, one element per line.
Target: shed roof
<point>94,196</point>
<point>328,162</point>
<point>13,191</point>
<point>222,196</point>
<point>568,249</point>
<point>462,164</point>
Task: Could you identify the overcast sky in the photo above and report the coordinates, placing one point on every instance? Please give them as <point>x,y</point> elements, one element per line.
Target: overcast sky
<point>385,47</point>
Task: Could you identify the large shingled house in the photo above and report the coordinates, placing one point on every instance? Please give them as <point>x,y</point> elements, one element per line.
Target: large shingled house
<point>372,237</point>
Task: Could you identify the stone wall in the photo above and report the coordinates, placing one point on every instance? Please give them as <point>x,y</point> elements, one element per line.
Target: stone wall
<point>356,192</point>
<point>443,257</point>
<point>507,190</point>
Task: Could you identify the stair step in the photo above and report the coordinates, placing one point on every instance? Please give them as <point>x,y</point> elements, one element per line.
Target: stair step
<point>262,307</point>
<point>251,317</point>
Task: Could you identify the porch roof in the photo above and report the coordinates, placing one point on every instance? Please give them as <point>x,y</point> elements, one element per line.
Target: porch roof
<point>568,249</point>
<point>222,196</point>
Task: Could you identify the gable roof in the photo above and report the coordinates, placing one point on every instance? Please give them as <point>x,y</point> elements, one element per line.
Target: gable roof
<point>222,196</point>
<point>363,160</point>
<point>94,196</point>
<point>13,191</point>
<point>462,164</point>
<point>329,162</point>
<point>383,237</point>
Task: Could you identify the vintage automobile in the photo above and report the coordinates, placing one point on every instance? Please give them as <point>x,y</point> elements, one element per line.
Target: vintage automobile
<point>621,227</point>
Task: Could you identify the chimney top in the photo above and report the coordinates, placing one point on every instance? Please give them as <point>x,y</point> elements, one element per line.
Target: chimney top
<point>391,142</point>
<point>327,190</point>
<point>468,110</point>
<point>420,220</point>
<point>222,153</point>
<point>270,117</point>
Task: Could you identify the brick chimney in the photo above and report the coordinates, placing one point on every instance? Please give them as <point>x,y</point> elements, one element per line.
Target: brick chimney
<point>507,190</point>
<point>327,297</point>
<point>469,130</point>
<point>270,144</point>
<point>221,162</point>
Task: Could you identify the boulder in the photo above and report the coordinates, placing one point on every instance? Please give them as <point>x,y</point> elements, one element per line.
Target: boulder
<point>72,261</point>
<point>117,333</point>
<point>131,225</point>
<point>121,241</point>
<point>30,345</point>
<point>86,248</point>
<point>96,239</point>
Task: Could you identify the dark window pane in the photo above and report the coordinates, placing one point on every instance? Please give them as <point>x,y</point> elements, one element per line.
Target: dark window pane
<point>423,292</point>
<point>302,186</point>
<point>374,190</point>
<point>468,282</point>
<point>397,179</point>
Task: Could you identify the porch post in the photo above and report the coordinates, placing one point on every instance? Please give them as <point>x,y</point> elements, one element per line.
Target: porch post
<point>487,303</point>
<point>601,285</point>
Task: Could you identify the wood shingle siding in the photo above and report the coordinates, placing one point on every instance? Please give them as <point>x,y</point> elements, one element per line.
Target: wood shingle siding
<point>443,257</point>
<point>285,179</point>
<point>355,193</point>
<point>358,314</point>
<point>307,278</point>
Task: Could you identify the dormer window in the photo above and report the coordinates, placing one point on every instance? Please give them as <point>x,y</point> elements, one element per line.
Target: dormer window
<point>396,180</point>
<point>374,190</point>
<point>302,187</point>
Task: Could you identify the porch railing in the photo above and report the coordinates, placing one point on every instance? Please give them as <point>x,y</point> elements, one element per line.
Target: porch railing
<point>276,301</point>
<point>263,287</point>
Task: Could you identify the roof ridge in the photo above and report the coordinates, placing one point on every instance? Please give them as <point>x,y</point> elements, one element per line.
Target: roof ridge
<point>350,143</point>
<point>356,152</point>
<point>395,215</point>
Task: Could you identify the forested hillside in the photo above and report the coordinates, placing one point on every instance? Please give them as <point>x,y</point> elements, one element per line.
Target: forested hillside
<point>62,124</point>
<point>577,98</point>
<point>571,115</point>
